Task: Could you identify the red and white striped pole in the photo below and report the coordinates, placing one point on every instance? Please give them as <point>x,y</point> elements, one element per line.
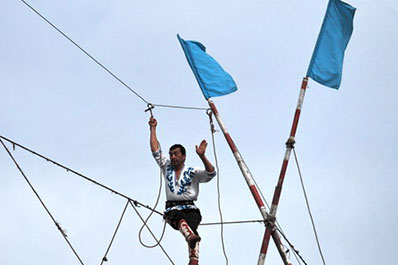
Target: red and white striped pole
<point>241,163</point>
<point>247,175</point>
<point>270,230</point>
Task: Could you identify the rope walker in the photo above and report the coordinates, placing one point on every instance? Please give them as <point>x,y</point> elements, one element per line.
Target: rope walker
<point>308,208</point>
<point>61,230</point>
<point>213,131</point>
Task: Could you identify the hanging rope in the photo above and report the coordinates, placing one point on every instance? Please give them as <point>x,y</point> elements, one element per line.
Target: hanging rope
<point>150,231</point>
<point>308,208</point>
<point>212,129</point>
<point>149,216</point>
<point>61,230</point>
<point>105,259</point>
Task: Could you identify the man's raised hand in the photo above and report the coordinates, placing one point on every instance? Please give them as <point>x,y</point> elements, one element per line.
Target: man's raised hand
<point>202,148</point>
<point>152,122</point>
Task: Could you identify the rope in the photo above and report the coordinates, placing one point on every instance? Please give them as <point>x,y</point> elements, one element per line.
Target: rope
<point>296,252</point>
<point>102,65</point>
<point>62,231</point>
<point>234,222</point>
<point>133,203</point>
<point>105,259</point>
<point>210,113</point>
<point>149,216</point>
<point>308,208</point>
<point>179,107</point>
<point>150,231</point>
<point>137,203</point>
<point>84,51</point>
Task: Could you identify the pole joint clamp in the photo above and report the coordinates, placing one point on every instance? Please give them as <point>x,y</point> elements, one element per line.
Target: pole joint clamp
<point>210,113</point>
<point>290,142</point>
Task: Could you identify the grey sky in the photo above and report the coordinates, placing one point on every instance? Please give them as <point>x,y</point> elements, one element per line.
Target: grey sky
<point>58,102</point>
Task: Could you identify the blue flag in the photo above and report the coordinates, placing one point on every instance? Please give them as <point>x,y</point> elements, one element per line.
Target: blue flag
<point>212,79</point>
<point>327,60</point>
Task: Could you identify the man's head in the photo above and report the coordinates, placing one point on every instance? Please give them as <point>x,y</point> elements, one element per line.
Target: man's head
<point>177,155</point>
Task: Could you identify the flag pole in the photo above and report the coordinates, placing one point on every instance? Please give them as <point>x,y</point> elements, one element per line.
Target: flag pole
<point>249,179</point>
<point>241,163</point>
<point>270,230</point>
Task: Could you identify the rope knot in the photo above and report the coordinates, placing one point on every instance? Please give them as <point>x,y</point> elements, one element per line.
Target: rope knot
<point>63,231</point>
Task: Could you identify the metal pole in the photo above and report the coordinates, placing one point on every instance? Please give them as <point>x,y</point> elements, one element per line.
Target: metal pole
<point>270,230</point>
<point>264,246</point>
<point>247,175</point>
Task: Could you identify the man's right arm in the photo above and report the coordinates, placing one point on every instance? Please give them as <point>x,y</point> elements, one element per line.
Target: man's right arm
<point>160,158</point>
<point>153,140</point>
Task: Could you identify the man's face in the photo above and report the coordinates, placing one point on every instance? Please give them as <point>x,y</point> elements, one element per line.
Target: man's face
<point>176,157</point>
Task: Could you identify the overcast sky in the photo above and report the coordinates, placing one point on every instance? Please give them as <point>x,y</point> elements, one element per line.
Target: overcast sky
<point>58,102</point>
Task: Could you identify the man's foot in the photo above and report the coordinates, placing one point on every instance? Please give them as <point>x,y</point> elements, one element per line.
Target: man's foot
<point>194,254</point>
<point>192,239</point>
<point>193,262</point>
<point>187,232</point>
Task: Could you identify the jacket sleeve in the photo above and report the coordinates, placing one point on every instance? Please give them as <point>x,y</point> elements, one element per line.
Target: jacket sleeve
<point>160,158</point>
<point>203,175</point>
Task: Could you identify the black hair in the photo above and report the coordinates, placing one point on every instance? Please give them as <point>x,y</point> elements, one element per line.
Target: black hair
<point>182,149</point>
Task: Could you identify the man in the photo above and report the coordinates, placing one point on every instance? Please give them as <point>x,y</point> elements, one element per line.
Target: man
<point>182,189</point>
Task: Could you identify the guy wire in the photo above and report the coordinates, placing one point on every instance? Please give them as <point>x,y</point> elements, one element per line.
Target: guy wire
<point>308,208</point>
<point>102,65</point>
<point>42,203</point>
<point>212,129</point>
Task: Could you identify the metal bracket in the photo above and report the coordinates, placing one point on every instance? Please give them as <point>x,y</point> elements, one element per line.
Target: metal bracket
<point>150,107</point>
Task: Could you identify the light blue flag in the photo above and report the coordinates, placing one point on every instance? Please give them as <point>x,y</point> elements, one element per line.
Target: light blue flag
<point>327,60</point>
<point>212,79</point>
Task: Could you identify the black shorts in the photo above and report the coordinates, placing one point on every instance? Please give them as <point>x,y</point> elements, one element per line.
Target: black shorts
<point>192,216</point>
